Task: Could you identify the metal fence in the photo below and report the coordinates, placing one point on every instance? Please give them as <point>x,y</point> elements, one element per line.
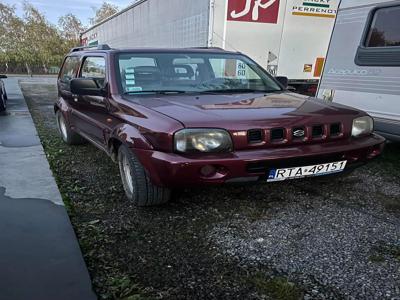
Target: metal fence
<point>30,70</point>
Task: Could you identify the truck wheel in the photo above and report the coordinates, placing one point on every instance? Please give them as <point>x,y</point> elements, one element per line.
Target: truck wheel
<point>3,102</point>
<point>137,185</point>
<point>68,136</point>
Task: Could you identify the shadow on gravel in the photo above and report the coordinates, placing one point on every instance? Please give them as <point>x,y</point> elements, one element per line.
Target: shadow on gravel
<point>298,239</point>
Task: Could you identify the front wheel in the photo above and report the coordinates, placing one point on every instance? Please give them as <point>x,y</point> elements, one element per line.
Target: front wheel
<point>137,185</point>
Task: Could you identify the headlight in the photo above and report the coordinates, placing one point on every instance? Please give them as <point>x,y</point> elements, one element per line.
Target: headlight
<point>203,140</point>
<point>362,126</point>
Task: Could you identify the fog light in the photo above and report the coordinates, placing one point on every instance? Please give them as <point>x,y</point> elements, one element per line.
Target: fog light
<point>375,151</point>
<point>208,171</point>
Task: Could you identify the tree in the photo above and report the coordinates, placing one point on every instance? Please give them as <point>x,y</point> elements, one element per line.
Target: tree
<point>42,42</point>
<point>30,40</point>
<point>103,12</point>
<point>11,31</point>
<point>71,27</point>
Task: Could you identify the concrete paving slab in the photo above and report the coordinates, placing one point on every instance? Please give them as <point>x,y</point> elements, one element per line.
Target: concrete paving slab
<point>40,257</point>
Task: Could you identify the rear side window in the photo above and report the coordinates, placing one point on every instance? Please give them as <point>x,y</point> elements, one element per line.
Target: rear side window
<point>94,67</point>
<point>380,45</point>
<point>385,28</point>
<point>70,67</point>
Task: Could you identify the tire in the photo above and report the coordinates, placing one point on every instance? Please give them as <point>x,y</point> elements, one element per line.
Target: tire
<point>3,102</point>
<point>137,185</point>
<point>68,136</point>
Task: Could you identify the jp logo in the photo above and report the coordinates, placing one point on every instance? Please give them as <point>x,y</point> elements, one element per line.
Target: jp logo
<point>262,11</point>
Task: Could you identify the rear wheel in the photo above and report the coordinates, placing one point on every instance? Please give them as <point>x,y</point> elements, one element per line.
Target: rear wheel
<point>137,185</point>
<point>69,136</point>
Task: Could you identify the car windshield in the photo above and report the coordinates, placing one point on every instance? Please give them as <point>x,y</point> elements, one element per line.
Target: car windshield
<point>181,72</point>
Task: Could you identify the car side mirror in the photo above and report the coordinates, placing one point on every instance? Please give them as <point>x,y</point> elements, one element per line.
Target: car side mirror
<point>86,87</point>
<point>283,80</point>
<point>3,76</point>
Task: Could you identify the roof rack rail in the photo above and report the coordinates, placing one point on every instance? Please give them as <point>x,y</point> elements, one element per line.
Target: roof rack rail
<point>97,47</point>
<point>215,48</point>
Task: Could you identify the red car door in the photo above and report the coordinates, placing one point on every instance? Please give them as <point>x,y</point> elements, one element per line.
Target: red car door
<point>68,72</point>
<point>91,113</point>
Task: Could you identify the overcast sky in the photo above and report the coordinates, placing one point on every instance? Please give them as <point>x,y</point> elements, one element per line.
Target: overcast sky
<point>56,8</point>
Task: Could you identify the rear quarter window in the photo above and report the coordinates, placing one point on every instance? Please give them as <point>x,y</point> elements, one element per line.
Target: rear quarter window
<point>385,28</point>
<point>380,45</point>
<point>69,69</point>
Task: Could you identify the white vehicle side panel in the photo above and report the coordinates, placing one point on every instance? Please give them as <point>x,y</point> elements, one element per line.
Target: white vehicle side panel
<point>305,37</point>
<point>372,89</point>
<point>156,23</point>
<point>252,38</point>
<point>295,40</point>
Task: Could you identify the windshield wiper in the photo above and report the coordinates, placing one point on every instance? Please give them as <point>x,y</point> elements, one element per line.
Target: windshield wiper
<point>156,92</point>
<point>239,91</point>
<point>217,91</point>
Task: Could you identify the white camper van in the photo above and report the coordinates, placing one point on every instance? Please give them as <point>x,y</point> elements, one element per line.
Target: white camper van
<point>287,37</point>
<point>363,63</point>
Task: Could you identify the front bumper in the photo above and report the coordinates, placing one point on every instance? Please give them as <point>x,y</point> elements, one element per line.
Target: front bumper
<point>174,170</point>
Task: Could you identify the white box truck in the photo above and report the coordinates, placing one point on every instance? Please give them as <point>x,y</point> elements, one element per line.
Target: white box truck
<point>287,37</point>
<point>363,63</point>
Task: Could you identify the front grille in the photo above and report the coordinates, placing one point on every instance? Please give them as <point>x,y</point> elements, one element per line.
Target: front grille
<point>254,136</point>
<point>277,134</point>
<point>317,131</point>
<point>296,135</point>
<point>335,129</point>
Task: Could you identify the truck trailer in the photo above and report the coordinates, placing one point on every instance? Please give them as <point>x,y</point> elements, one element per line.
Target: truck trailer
<point>287,37</point>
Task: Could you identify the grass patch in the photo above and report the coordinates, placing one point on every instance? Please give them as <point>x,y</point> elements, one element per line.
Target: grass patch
<point>124,288</point>
<point>392,203</point>
<point>383,252</point>
<point>376,258</point>
<point>279,288</point>
<point>389,162</point>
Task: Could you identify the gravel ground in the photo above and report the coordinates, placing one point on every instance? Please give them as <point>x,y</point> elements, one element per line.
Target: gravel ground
<point>332,238</point>
<point>325,238</point>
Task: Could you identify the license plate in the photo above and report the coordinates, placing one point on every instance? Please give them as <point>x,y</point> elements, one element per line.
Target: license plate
<point>307,171</point>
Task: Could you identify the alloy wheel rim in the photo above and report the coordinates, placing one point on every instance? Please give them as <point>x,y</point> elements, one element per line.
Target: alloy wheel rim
<point>127,173</point>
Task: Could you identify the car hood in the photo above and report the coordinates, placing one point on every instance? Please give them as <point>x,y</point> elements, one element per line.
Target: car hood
<point>245,111</point>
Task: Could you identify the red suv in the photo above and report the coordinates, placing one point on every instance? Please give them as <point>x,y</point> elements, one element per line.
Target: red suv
<point>183,117</point>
